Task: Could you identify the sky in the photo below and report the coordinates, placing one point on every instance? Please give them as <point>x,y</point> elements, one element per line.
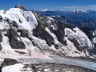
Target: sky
<point>50,4</point>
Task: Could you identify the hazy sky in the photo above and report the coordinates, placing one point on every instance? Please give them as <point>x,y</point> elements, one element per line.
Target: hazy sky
<point>50,4</point>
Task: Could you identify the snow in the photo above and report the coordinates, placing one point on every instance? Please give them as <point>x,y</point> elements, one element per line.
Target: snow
<point>83,37</point>
<point>31,19</point>
<point>13,68</point>
<point>71,50</point>
<point>80,36</point>
<point>51,22</point>
<point>20,17</point>
<point>7,51</point>
<point>53,35</point>
<point>4,25</point>
<point>6,47</point>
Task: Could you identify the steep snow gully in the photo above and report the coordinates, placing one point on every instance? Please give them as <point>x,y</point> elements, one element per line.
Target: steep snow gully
<point>24,34</point>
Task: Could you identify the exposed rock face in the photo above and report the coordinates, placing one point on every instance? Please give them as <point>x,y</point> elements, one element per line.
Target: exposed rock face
<point>14,42</point>
<point>24,34</point>
<point>8,62</point>
<point>20,6</point>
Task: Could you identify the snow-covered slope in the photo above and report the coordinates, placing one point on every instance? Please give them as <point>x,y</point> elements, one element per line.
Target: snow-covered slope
<point>25,34</point>
<point>24,19</point>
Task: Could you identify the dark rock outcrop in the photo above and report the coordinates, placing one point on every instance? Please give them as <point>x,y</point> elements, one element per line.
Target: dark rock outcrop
<point>14,42</point>
<point>8,62</point>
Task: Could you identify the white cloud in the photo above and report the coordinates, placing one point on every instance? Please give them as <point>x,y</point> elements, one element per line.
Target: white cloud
<point>44,9</point>
<point>88,7</point>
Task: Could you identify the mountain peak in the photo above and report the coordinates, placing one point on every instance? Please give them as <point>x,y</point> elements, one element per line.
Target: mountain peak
<point>20,6</point>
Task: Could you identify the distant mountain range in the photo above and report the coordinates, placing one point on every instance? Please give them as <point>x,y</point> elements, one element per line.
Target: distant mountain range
<point>78,18</point>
